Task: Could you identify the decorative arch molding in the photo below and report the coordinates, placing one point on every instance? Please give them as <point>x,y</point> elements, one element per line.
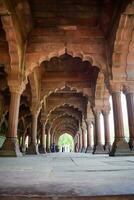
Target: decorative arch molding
<point>61,86</point>
<point>49,51</point>
<point>122,58</point>
<point>68,114</point>
<point>59,105</point>
<point>58,128</point>
<point>69,131</point>
<point>16,29</point>
<point>65,118</point>
<point>64,115</point>
<point>65,128</point>
<point>66,121</point>
<point>15,42</point>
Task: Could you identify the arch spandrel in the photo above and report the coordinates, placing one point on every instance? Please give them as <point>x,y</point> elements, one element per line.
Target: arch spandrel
<point>123,47</point>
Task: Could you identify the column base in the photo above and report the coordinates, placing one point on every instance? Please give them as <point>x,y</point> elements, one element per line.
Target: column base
<point>41,149</point>
<point>79,150</point>
<point>32,150</point>
<point>10,148</point>
<point>48,150</point>
<point>98,149</point>
<point>107,148</point>
<point>121,148</point>
<point>131,143</point>
<point>83,150</point>
<point>89,149</point>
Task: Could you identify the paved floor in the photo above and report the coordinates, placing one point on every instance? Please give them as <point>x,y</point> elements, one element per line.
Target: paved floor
<point>67,174</point>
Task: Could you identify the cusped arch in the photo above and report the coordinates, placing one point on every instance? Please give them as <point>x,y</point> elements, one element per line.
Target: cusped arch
<point>59,105</point>
<point>62,86</point>
<point>46,56</point>
<point>69,131</point>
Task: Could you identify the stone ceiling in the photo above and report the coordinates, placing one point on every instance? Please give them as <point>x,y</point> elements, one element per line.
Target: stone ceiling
<point>72,14</point>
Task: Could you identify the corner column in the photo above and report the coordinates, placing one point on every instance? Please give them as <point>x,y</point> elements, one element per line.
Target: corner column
<point>11,145</point>
<point>120,146</point>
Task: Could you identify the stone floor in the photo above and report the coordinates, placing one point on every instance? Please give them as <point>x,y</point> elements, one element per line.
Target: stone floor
<point>67,174</point>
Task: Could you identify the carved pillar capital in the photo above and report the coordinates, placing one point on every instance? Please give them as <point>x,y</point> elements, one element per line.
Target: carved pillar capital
<point>106,111</point>
<point>128,88</point>
<point>89,121</point>
<point>35,108</point>
<point>16,86</point>
<point>97,111</point>
<point>115,87</point>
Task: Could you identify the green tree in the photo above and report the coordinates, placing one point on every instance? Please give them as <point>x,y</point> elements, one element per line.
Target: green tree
<point>66,139</point>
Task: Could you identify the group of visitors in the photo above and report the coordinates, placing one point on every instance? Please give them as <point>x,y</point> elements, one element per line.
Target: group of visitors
<point>54,148</point>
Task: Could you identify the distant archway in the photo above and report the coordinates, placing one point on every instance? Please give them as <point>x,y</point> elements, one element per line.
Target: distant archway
<point>66,143</point>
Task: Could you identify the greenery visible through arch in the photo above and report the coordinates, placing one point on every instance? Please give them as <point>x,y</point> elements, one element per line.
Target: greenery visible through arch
<point>66,142</point>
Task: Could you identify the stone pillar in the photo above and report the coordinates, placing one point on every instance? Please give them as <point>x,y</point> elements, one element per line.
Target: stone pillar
<point>107,145</point>
<point>129,92</point>
<point>42,148</point>
<point>48,142</point>
<point>33,147</point>
<point>98,146</point>
<point>80,141</point>
<point>89,136</point>
<point>11,146</point>
<point>120,146</point>
<point>84,128</point>
<point>23,147</point>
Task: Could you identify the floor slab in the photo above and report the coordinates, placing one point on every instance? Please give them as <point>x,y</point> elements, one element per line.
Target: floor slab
<point>67,174</point>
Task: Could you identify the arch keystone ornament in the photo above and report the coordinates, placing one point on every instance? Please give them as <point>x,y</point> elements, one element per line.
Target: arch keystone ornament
<point>120,146</point>
<point>11,146</point>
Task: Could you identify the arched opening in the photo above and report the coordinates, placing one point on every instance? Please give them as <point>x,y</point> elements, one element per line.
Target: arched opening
<point>66,143</point>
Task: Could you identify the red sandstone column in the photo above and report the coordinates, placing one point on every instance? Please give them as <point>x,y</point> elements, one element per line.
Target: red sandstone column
<point>107,145</point>
<point>33,148</point>
<point>98,146</point>
<point>130,108</point>
<point>80,141</point>
<point>83,136</point>
<point>11,146</point>
<point>89,136</point>
<point>42,148</point>
<point>48,142</point>
<point>120,146</point>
